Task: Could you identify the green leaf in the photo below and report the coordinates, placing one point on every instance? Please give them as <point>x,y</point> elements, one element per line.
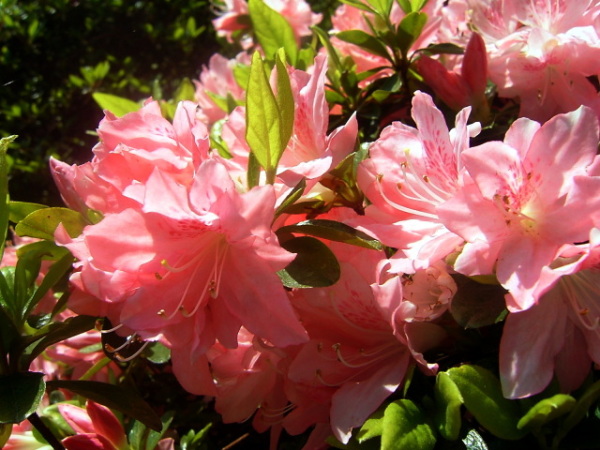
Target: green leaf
<point>272,30</point>
<point>185,91</point>
<point>405,428</point>
<point>119,106</point>
<point>284,98</point>
<point>20,395</point>
<point>43,222</point>
<point>4,208</point>
<point>157,353</point>
<point>289,200</point>
<point>443,48</point>
<point>19,210</point>
<point>59,331</point>
<point>359,5</point>
<point>114,397</point>
<point>372,427</point>
<point>448,403</point>
<point>333,231</point>
<point>314,266</point>
<point>546,410</point>
<point>409,6</point>
<point>141,438</point>
<point>476,304</point>
<point>409,30</point>
<point>483,398</point>
<point>365,41</point>
<point>266,133</point>
<point>383,7</point>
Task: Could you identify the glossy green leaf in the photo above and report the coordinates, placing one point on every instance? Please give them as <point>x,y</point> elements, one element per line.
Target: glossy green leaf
<point>364,41</point>
<point>383,7</point>
<point>142,438</point>
<point>20,395</point>
<point>359,5</point>
<point>268,128</point>
<point>291,198</point>
<point>4,198</point>
<point>119,106</point>
<point>55,273</point>
<point>43,222</point>
<point>546,410</point>
<point>409,30</point>
<point>333,231</point>
<point>443,48</point>
<point>314,266</point>
<point>59,331</point>
<point>272,30</point>
<point>448,406</point>
<point>372,427</point>
<point>409,6</point>
<point>482,395</point>
<point>19,210</point>
<point>477,304</point>
<point>284,99</point>
<point>114,397</point>
<point>405,427</point>
<point>185,91</point>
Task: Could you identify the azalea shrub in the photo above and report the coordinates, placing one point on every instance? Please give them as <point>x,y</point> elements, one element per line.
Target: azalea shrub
<point>382,233</point>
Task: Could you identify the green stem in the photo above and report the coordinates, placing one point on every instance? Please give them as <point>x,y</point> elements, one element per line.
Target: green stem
<point>95,368</point>
<point>46,433</point>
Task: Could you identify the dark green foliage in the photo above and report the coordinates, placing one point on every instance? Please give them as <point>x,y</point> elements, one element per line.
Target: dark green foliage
<point>54,53</point>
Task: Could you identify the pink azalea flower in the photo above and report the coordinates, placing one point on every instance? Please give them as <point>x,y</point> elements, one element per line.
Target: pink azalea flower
<point>355,358</point>
<point>185,266</point>
<point>130,148</point>
<point>217,80</point>
<point>96,427</point>
<point>410,173</point>
<point>529,196</point>
<point>464,89</point>
<point>233,18</point>
<point>561,334</point>
<point>542,52</point>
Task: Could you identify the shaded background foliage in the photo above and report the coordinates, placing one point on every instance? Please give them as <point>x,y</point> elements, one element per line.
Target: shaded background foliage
<point>55,53</point>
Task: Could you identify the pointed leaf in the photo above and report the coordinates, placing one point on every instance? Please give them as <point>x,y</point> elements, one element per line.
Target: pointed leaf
<point>365,41</point>
<point>409,30</point>
<point>483,397</point>
<point>263,119</point>
<point>119,106</point>
<point>285,99</point>
<point>272,30</point>
<point>59,331</point>
<point>289,200</point>
<point>43,222</point>
<point>20,395</point>
<point>114,397</point>
<point>334,231</point>
<point>314,266</point>
<point>405,428</point>
<point>19,210</point>
<point>546,410</point>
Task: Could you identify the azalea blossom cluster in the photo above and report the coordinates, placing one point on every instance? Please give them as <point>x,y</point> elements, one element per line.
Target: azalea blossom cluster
<point>186,250</point>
